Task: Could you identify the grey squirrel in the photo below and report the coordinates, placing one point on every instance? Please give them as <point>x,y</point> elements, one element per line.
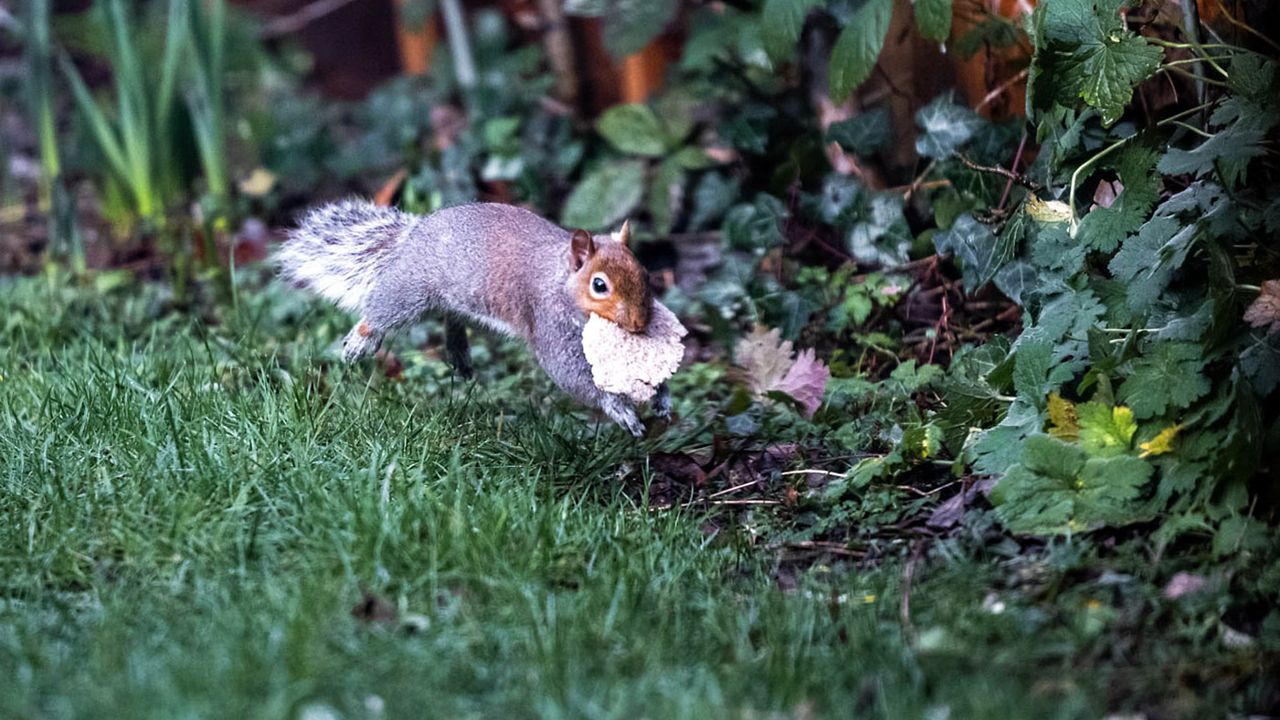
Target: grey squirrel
<point>497,266</point>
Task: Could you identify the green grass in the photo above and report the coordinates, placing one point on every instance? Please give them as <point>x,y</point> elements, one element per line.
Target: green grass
<point>191,507</point>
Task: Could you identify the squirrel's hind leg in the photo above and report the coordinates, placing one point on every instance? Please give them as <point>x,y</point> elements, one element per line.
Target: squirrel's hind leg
<point>456,348</point>
<point>361,341</point>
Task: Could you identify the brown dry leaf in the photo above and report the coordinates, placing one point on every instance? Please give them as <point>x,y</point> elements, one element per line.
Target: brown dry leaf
<point>1265,309</point>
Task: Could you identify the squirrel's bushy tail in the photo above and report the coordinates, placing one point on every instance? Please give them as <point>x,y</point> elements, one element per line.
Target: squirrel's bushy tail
<point>338,248</point>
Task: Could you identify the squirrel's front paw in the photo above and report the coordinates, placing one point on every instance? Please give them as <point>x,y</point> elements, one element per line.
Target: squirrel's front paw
<point>624,413</point>
<point>361,341</point>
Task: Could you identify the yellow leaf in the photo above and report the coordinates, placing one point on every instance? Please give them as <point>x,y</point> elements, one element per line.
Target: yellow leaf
<point>1161,443</point>
<point>1062,418</point>
<point>259,183</point>
<point>1047,211</point>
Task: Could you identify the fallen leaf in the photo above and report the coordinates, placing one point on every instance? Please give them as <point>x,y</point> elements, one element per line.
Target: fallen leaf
<point>1063,423</point>
<point>1047,211</point>
<point>768,365</point>
<point>1183,583</point>
<point>1265,309</point>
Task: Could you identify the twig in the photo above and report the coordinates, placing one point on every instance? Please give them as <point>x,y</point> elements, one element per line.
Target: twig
<point>306,15</point>
<point>1022,180</point>
<point>735,488</point>
<point>1017,158</point>
<point>1004,87</point>
<point>1246,27</point>
<point>818,546</point>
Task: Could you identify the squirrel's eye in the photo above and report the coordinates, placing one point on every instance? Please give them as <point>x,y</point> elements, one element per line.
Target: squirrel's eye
<point>599,286</point>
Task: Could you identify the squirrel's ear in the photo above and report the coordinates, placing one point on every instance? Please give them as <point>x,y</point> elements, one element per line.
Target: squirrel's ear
<point>624,234</point>
<point>582,248</point>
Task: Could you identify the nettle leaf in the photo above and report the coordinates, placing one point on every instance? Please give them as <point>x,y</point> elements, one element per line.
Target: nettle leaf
<point>1147,261</point>
<point>1170,375</point>
<point>1070,315</point>
<point>1104,227</point>
<point>605,196</point>
<point>1105,431</point>
<point>933,17</point>
<point>1057,488</point>
<point>1032,364</point>
<point>780,25</point>
<point>1085,51</point>
<point>862,134</point>
<point>944,127</point>
<point>1260,362</point>
<point>1228,151</point>
<point>981,253</point>
<point>857,48</point>
<point>633,129</point>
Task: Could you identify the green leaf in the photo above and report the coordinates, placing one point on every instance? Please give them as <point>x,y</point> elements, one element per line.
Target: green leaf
<point>780,25</point>
<point>862,134</point>
<point>1085,51</point>
<point>1228,151</point>
<point>629,25</point>
<point>839,200</point>
<point>1104,228</point>
<point>981,253</point>
<point>1168,376</point>
<point>1032,364</point>
<point>633,129</point>
<point>1147,261</point>
<point>945,126</point>
<point>881,235</point>
<point>1105,431</point>
<point>605,196</point>
<point>933,17</point>
<point>757,226</point>
<point>666,195</point>
<point>857,48</point>
<point>713,195</point>
<point>1057,488</point>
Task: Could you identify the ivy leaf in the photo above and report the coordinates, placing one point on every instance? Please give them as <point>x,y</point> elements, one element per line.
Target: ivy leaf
<point>1017,280</point>
<point>862,134</point>
<point>839,200</point>
<point>981,253</point>
<point>857,48</point>
<point>1169,375</point>
<point>634,129</point>
<point>881,236</point>
<point>933,17</point>
<point>944,126</point>
<point>1105,431</point>
<point>757,226</point>
<point>605,196</point>
<point>712,196</point>
<point>780,25</point>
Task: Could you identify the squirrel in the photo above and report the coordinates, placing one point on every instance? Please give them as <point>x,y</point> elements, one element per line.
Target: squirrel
<point>499,267</point>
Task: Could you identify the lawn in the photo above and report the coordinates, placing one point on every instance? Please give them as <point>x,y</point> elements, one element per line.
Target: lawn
<point>204,515</point>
